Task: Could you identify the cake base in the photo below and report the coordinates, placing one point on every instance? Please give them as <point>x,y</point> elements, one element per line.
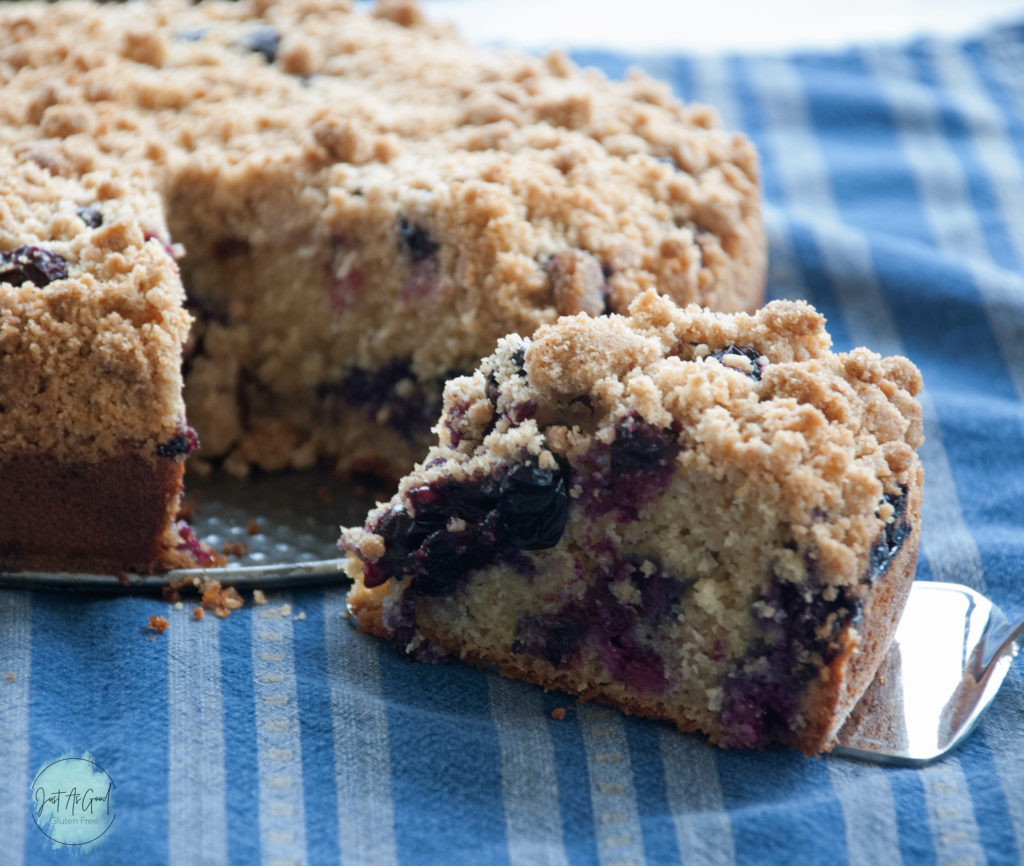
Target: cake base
<point>109,516</point>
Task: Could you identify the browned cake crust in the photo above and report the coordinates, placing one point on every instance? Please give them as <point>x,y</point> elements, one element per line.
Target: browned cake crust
<point>116,515</point>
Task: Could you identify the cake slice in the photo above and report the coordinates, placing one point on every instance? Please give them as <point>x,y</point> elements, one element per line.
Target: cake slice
<point>701,517</point>
<point>93,436</point>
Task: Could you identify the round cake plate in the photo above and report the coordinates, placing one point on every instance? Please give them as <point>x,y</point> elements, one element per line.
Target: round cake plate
<point>275,530</point>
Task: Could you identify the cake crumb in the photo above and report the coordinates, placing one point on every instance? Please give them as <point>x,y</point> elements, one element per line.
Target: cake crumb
<point>10,678</point>
<point>221,600</point>
<point>286,610</point>
<point>158,624</point>
<point>179,605</point>
<point>300,615</point>
<point>198,613</point>
<point>235,548</point>
<point>253,527</point>
<point>259,597</point>
<point>558,714</point>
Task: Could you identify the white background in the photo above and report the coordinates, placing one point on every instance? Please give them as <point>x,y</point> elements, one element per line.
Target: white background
<point>712,27</point>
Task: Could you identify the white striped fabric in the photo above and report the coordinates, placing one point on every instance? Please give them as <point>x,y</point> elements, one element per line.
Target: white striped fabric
<point>196,785</point>
<point>282,823</point>
<point>694,793</point>
<point>617,830</point>
<point>529,785</point>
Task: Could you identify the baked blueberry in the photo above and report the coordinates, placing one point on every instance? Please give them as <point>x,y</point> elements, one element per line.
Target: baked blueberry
<point>390,394</point>
<point>753,369</point>
<point>90,216</point>
<point>455,527</point>
<point>892,536</point>
<point>31,264</point>
<point>191,34</point>
<point>263,40</point>
<point>184,443</point>
<point>534,506</point>
<point>641,447</point>
<point>416,240</point>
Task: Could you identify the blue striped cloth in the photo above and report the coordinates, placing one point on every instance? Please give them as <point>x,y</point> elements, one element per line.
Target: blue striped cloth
<point>894,180</point>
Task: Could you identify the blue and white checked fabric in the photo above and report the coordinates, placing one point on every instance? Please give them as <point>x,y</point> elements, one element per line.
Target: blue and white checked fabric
<point>894,181</point>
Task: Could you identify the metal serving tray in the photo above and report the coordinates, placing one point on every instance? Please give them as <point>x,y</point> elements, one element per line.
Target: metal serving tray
<point>281,530</point>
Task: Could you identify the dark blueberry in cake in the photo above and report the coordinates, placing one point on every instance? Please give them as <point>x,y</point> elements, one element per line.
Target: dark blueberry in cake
<point>641,447</point>
<point>184,443</point>
<point>446,559</point>
<point>400,620</point>
<point>761,698</point>
<point>519,359</point>
<point>632,662</point>
<point>416,240</point>
<point>191,34</point>
<point>263,40</point>
<point>661,594</point>
<point>611,626</point>
<point>455,420</point>
<point>394,528</point>
<point>453,528</point>
<point>534,506</point>
<point>90,216</point>
<point>31,264</point>
<point>556,638</point>
<point>632,471</point>
<point>391,394</point>
<point>892,537</point>
<point>493,388</point>
<point>756,363</point>
<point>517,412</point>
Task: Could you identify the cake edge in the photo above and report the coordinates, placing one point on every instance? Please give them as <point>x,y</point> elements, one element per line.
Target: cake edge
<point>53,511</point>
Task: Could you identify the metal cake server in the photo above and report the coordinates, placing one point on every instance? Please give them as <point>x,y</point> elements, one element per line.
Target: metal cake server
<point>952,650</point>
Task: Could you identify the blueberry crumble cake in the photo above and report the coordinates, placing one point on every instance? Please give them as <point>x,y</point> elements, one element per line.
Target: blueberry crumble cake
<point>365,203</point>
<point>93,436</point>
<point>707,518</point>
